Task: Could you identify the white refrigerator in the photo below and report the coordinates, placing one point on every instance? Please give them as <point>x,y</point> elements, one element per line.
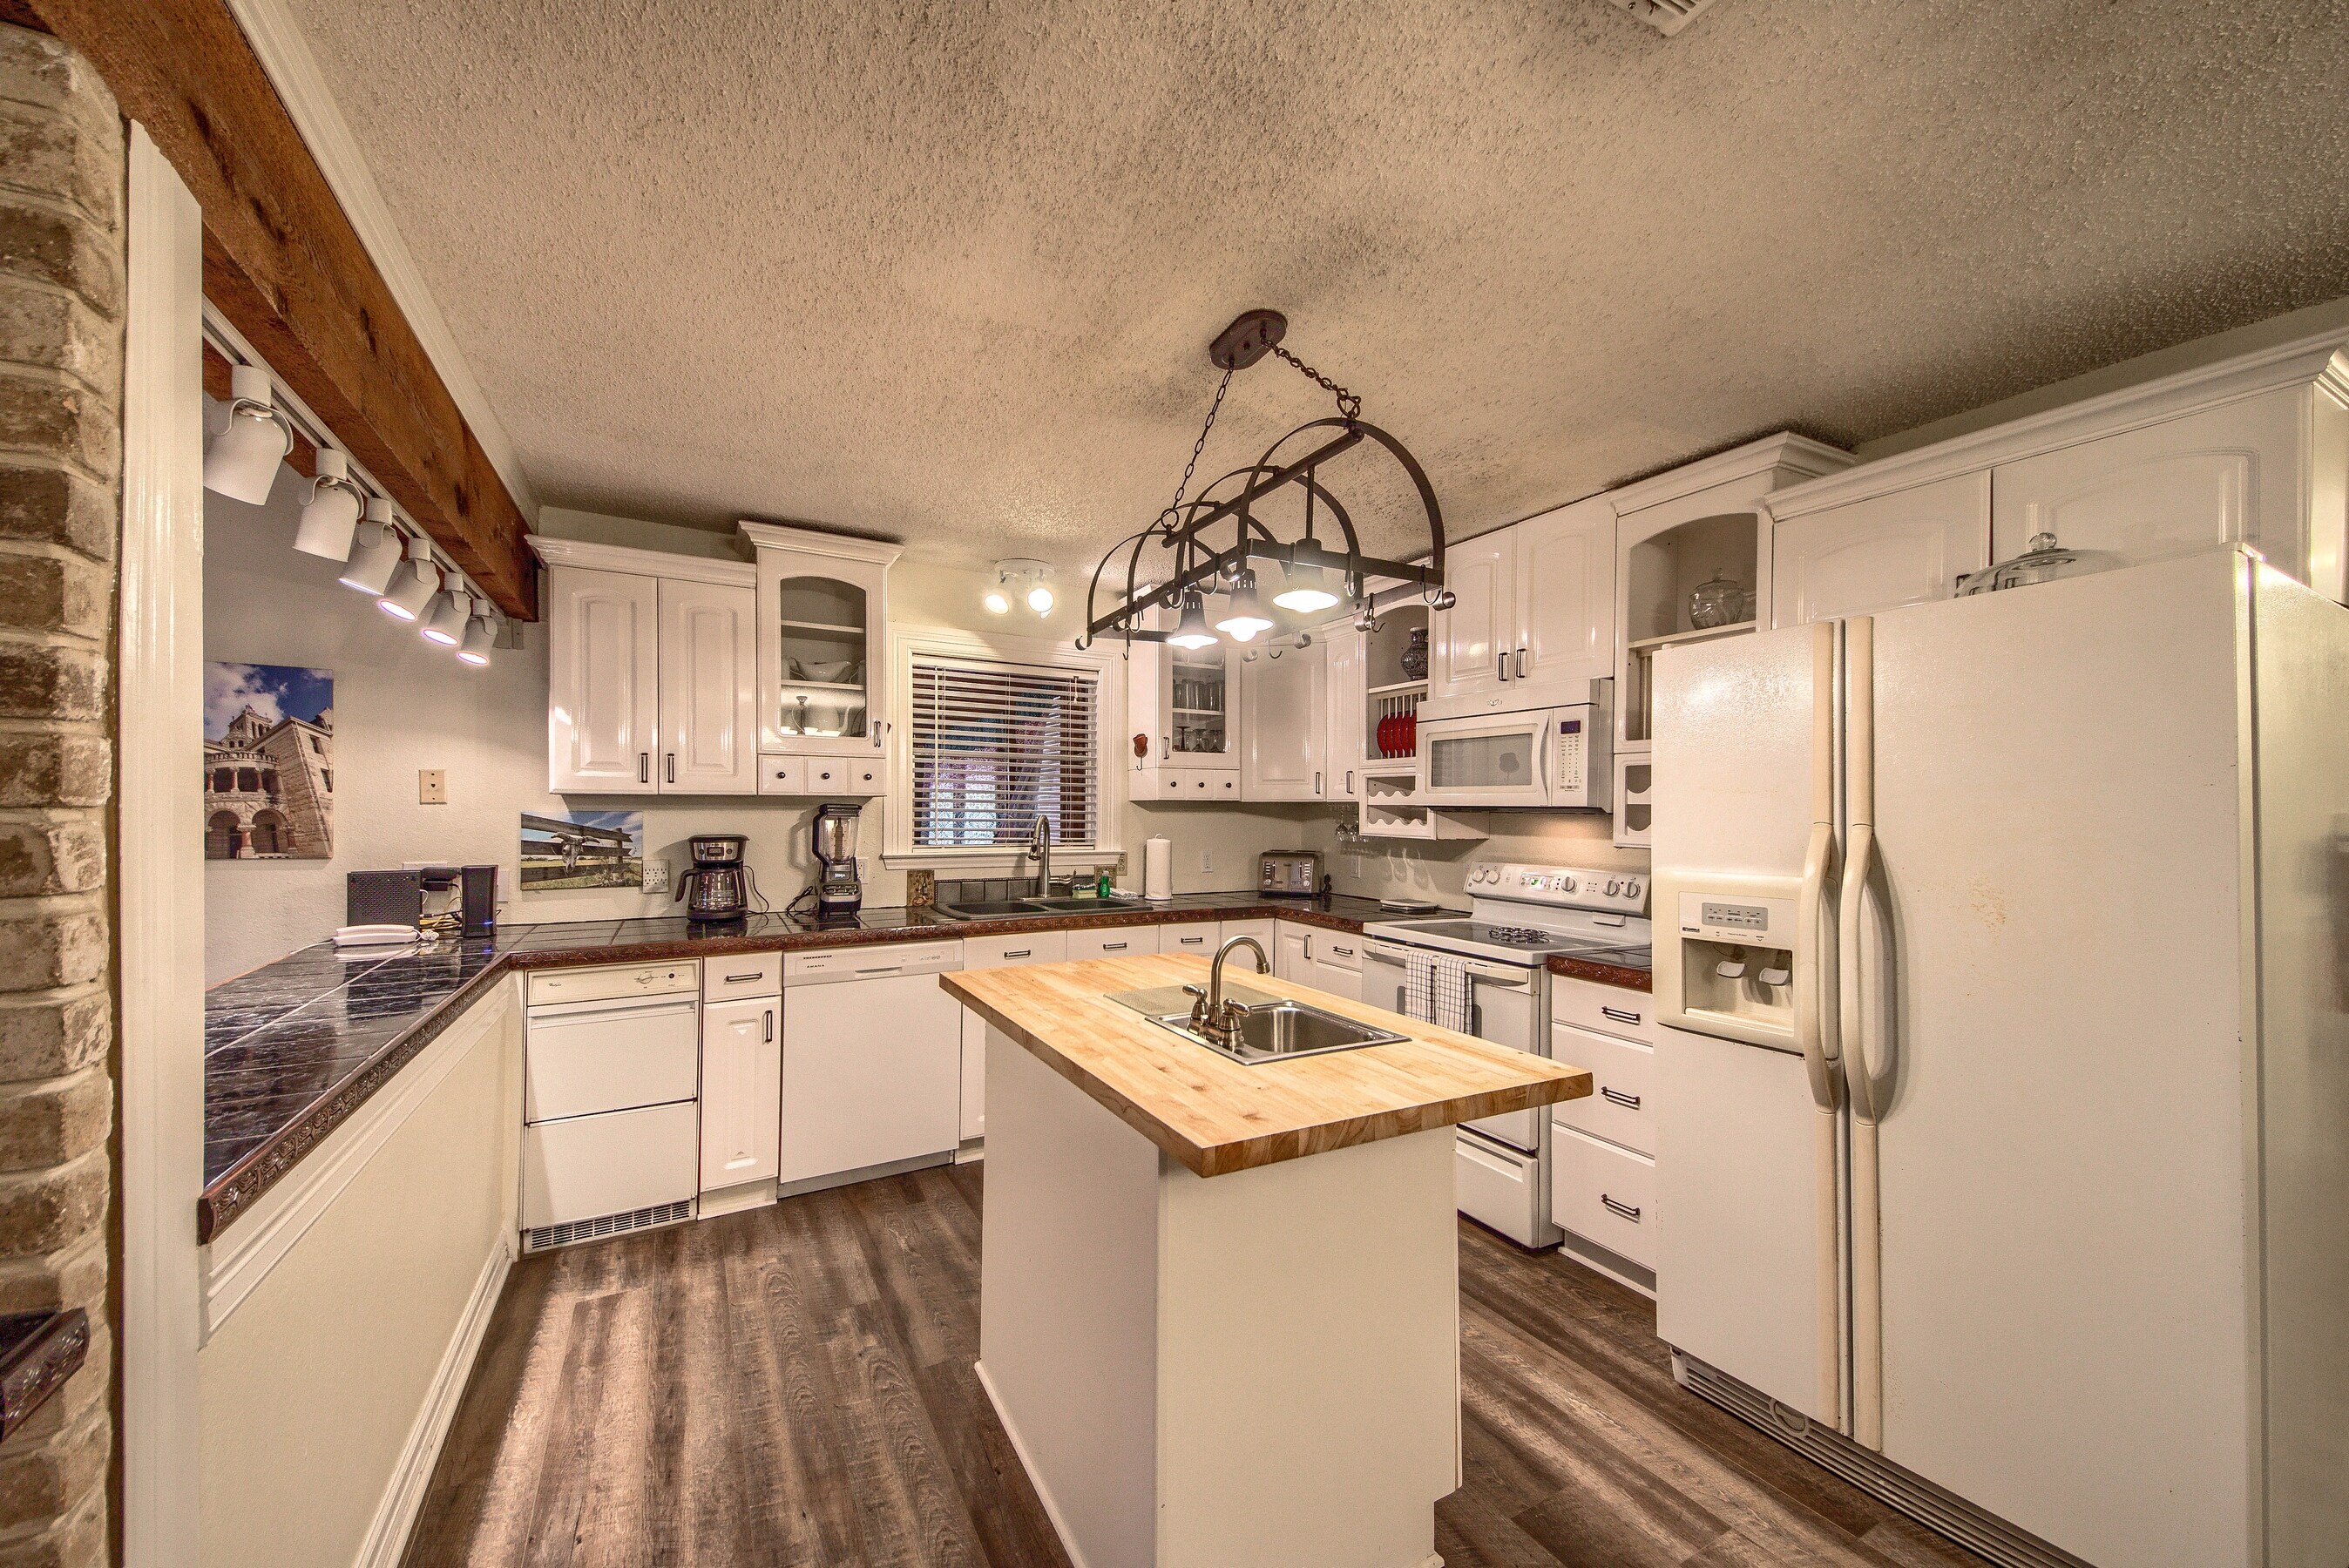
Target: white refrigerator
<point>2004,1120</point>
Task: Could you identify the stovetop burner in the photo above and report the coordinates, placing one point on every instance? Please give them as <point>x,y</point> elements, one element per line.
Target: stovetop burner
<point>1519,935</point>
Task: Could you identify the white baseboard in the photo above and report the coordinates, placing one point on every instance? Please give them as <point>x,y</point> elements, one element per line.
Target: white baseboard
<point>395,1516</point>
<point>1043,1492</point>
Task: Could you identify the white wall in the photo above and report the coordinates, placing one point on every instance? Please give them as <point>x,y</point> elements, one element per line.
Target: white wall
<point>401,706</point>
<point>1440,869</point>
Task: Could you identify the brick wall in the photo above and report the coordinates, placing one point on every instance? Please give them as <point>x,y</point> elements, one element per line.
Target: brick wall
<point>61,295</point>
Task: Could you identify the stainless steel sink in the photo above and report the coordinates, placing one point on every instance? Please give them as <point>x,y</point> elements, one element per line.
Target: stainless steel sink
<point>1282,1030</point>
<point>996,907</point>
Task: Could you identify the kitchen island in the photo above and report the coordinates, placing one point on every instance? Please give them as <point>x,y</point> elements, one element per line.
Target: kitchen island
<point>1219,1301</point>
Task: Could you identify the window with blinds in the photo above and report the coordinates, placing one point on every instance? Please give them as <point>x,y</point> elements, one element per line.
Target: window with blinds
<point>994,745</point>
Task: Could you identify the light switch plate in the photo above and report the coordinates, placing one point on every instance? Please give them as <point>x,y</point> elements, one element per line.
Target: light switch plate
<point>432,787</point>
<point>1206,860</point>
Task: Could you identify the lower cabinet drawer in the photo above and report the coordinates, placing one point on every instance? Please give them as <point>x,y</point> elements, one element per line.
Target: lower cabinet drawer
<point>591,1166</point>
<point>831,776</point>
<point>1604,1193</point>
<point>1116,942</point>
<point>1622,1104</point>
<point>1193,937</point>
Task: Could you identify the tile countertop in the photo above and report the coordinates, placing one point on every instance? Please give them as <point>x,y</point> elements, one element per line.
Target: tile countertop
<point>294,1048</point>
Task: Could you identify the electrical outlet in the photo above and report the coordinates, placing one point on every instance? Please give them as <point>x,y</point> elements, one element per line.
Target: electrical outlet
<point>656,876</point>
<point>432,787</point>
<point>1206,860</point>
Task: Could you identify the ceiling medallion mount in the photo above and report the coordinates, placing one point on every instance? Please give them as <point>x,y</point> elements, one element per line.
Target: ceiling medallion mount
<point>1312,576</point>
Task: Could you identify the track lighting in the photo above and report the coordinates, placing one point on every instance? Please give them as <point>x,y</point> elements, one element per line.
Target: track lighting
<point>1307,589</point>
<point>480,635</point>
<point>413,584</point>
<point>1040,599</point>
<point>1244,617</point>
<point>1009,577</point>
<point>242,461</point>
<point>1191,630</point>
<point>997,601</point>
<point>375,551</point>
<point>446,617</point>
<point>331,516</point>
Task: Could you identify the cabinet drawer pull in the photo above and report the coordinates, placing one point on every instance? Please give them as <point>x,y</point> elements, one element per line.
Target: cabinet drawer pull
<point>671,766</point>
<point>1341,952</point>
<point>1619,1015</point>
<point>1628,1101</point>
<point>738,979</point>
<point>1113,947</point>
<point>770,1038</point>
<point>1017,952</point>
<point>1521,664</point>
<point>1192,941</point>
<point>1505,664</point>
<point>644,766</point>
<point>885,969</point>
<point>1626,1210</point>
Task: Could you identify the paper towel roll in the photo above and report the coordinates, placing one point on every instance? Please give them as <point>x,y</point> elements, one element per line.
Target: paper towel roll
<point>1157,867</point>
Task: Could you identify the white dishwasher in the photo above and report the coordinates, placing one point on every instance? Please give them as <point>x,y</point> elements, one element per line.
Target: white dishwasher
<point>611,1130</point>
<point>871,1062</point>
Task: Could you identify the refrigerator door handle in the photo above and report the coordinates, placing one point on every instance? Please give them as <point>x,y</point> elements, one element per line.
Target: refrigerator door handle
<point>1815,974</point>
<point>1866,1023</point>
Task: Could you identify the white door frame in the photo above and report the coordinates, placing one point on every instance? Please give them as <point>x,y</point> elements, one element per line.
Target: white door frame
<point>158,863</point>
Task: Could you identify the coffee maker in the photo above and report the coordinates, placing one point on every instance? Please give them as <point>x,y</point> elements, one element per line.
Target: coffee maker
<point>833,835</point>
<point>716,888</point>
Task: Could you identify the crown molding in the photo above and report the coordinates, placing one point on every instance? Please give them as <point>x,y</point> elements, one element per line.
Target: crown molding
<point>1800,455</point>
<point>644,563</point>
<point>285,54</point>
<point>2319,360</point>
<point>812,541</point>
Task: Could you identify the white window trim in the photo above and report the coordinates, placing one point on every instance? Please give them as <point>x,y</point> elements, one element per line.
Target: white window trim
<point>899,850</point>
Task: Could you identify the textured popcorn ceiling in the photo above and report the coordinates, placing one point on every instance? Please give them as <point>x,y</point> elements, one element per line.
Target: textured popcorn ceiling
<point>947,272</point>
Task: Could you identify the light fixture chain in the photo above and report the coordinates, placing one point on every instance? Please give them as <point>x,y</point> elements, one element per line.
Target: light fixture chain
<point>1348,404</point>
<point>1174,507</point>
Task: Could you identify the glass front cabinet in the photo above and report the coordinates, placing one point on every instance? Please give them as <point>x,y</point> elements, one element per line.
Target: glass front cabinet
<point>824,653</point>
<point>1182,708</point>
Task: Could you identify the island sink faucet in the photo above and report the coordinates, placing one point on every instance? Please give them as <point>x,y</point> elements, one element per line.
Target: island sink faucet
<point>1039,846</point>
<point>1210,1014</point>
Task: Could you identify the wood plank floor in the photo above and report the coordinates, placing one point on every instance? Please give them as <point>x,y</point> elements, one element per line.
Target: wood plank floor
<point>792,1385</point>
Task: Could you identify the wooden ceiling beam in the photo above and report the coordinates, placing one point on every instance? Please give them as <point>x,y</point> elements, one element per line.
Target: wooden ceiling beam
<point>283,263</point>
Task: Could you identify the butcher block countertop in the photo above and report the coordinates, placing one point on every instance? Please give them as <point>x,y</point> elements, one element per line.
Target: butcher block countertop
<point>1216,1115</point>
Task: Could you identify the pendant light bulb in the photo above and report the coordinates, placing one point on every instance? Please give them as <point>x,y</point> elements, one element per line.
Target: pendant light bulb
<point>376,548</point>
<point>445,620</point>
<point>1244,618</point>
<point>1191,630</point>
<point>480,635</point>
<point>1040,599</point>
<point>1307,589</point>
<point>242,460</point>
<point>331,516</point>
<point>413,585</point>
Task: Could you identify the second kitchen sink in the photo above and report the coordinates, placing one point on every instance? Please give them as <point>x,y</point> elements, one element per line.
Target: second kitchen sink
<point>996,908</point>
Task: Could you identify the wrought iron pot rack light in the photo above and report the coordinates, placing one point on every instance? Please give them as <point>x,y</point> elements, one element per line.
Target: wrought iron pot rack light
<point>1200,567</point>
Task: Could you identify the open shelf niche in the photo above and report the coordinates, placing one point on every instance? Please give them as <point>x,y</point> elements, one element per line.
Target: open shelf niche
<point>1660,572</point>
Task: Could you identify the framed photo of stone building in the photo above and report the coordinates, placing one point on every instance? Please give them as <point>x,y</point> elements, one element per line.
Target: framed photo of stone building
<point>269,763</point>
<point>581,849</point>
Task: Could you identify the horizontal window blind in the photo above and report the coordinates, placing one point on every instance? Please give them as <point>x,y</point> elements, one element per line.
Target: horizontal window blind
<point>994,745</point>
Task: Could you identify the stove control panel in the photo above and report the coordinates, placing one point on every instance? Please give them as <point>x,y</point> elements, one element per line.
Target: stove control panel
<point>1566,887</point>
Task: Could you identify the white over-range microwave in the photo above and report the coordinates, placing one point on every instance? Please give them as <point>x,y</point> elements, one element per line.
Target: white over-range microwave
<point>1560,758</point>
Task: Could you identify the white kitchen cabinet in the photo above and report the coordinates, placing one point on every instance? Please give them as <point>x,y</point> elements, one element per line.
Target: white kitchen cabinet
<point>1198,937</point>
<point>1183,701</point>
<point>994,952</point>
<point>1905,548</point>
<point>1265,929</point>
<point>824,642</point>
<point>741,1090</point>
<point>709,689</point>
<point>1180,784</point>
<point>2235,473</point>
<point>1292,954</point>
<point>1336,960</point>
<point>1283,724</point>
<point>1466,642</point>
<point>1113,942</point>
<point>603,711</point>
<point>872,1061</point>
<point>1342,647</point>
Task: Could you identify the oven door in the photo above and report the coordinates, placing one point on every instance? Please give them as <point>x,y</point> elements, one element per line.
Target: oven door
<point>1495,761</point>
<point>1504,1007</point>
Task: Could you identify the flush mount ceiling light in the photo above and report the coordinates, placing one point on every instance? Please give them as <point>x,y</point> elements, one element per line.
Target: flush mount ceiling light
<point>413,584</point>
<point>376,551</point>
<point>480,635</point>
<point>446,617</point>
<point>242,461</point>
<point>1201,561</point>
<point>1023,580</point>
<point>331,516</point>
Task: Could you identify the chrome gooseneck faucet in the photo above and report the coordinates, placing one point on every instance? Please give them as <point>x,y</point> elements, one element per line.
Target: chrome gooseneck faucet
<point>1039,846</point>
<point>1210,1014</point>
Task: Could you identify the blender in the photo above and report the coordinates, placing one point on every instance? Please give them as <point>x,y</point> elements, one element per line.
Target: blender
<point>834,838</point>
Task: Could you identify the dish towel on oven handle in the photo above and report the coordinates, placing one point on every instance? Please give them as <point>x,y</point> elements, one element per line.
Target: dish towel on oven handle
<point>1435,990</point>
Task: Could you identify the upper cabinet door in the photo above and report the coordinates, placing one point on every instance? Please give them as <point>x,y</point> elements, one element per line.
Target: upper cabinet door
<point>1284,708</point>
<point>824,649</point>
<point>603,712</point>
<point>1564,593</point>
<point>1347,706</point>
<point>1905,548</point>
<point>2232,474</point>
<point>1468,640</point>
<point>709,689</point>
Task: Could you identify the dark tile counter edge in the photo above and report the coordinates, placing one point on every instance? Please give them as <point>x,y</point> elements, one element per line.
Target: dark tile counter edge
<point>263,1167</point>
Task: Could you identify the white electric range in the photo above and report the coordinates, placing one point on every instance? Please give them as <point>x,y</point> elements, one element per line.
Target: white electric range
<point>1519,915</point>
